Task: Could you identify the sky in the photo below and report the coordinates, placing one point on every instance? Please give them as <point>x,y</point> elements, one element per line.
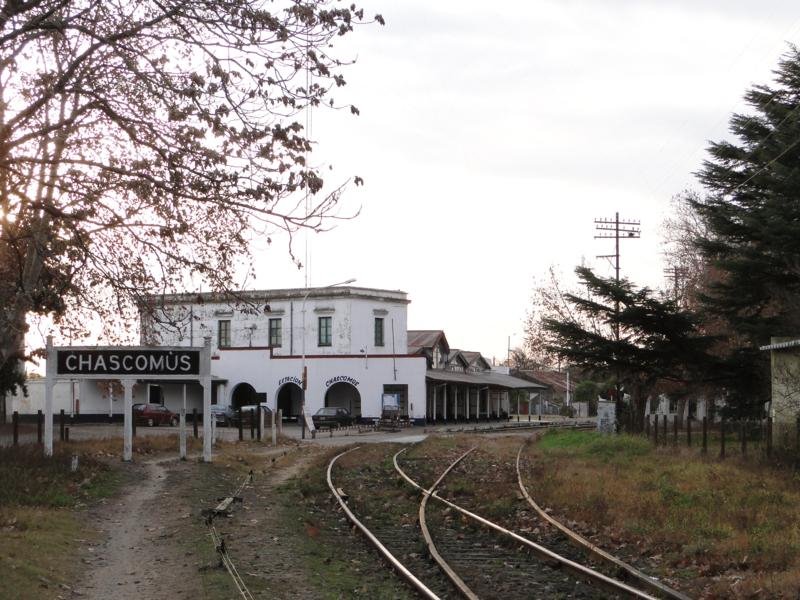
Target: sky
<point>492,135</point>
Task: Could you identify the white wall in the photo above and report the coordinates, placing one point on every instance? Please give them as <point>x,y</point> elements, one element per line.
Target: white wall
<point>352,310</point>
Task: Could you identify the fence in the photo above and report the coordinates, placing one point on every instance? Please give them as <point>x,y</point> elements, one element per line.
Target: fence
<point>727,437</point>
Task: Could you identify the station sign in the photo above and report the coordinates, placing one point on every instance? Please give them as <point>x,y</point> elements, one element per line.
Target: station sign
<point>134,361</point>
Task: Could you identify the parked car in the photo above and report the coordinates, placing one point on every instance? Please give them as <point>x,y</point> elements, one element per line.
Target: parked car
<point>332,416</point>
<point>249,414</point>
<point>223,415</point>
<point>154,414</point>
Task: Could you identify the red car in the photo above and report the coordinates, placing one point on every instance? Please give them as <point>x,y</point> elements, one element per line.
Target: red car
<point>154,414</point>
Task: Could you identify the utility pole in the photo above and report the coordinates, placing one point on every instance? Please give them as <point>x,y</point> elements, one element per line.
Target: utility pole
<point>616,229</point>
<point>676,274</point>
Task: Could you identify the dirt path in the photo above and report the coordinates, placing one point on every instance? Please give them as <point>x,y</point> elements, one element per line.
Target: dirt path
<point>137,557</point>
<point>147,531</point>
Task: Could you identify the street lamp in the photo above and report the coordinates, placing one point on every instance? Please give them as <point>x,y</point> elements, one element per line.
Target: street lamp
<point>303,373</point>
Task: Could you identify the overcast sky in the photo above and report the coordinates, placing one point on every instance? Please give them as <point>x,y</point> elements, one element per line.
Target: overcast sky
<point>491,135</point>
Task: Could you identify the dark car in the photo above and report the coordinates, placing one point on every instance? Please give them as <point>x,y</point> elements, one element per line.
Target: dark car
<point>154,414</point>
<point>223,415</point>
<point>332,416</point>
<point>249,414</point>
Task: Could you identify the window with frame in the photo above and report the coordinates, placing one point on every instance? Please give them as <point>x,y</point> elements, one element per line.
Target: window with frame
<point>224,334</point>
<point>275,333</point>
<point>325,333</point>
<point>379,331</point>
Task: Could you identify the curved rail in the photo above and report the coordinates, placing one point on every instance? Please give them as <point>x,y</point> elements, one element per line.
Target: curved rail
<point>408,575</point>
<point>543,553</point>
<point>451,574</point>
<point>597,552</point>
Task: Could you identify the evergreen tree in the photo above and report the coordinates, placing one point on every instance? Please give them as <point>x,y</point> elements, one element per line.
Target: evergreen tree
<point>658,341</point>
<point>751,238</point>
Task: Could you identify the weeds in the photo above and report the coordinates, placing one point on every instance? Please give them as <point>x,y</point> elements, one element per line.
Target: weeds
<point>727,518</point>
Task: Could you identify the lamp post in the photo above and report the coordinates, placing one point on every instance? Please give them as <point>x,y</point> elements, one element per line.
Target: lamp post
<point>303,373</point>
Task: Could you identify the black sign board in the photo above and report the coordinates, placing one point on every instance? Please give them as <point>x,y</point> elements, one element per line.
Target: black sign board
<point>128,362</point>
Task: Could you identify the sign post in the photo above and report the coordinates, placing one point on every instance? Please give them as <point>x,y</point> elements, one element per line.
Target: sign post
<point>127,444</point>
<point>130,365</point>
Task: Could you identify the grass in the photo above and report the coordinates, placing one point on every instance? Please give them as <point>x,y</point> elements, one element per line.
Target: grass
<point>39,533</point>
<point>340,564</point>
<point>718,520</point>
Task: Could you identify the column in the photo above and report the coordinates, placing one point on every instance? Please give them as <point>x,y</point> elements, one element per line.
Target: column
<point>183,426</point>
<point>434,402</point>
<point>127,427</point>
<point>444,407</point>
<point>48,417</point>
<point>206,382</point>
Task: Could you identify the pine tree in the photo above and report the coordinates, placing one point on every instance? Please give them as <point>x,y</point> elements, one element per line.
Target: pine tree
<point>751,216</point>
<point>657,341</point>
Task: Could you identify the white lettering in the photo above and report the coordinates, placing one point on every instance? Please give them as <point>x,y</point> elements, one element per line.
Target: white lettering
<point>171,366</point>
<point>113,362</point>
<point>85,362</point>
<point>127,362</point>
<point>100,363</point>
<point>157,363</point>
<point>141,362</point>
<point>186,363</point>
<point>70,362</point>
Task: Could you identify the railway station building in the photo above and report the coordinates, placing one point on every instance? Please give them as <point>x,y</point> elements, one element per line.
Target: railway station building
<point>461,385</point>
<point>350,343</point>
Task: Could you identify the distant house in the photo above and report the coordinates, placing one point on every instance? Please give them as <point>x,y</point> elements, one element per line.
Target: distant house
<point>461,385</point>
<point>784,405</point>
<point>553,394</point>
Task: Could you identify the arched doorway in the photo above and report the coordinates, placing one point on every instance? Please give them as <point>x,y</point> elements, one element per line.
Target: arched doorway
<point>290,397</point>
<point>344,395</point>
<point>244,394</point>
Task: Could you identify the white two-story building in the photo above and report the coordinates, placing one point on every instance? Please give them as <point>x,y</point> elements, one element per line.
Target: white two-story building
<point>352,341</point>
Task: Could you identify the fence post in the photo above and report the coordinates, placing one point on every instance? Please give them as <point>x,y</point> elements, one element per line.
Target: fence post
<point>744,437</point>
<point>241,425</point>
<point>675,430</point>
<point>15,427</point>
<point>705,435</point>
<point>194,422</point>
<point>66,434</point>
<point>689,431</point>
<point>797,437</point>
<point>252,425</point>
<point>61,424</point>
<point>655,430</point>
<point>39,419</point>
<point>769,437</point>
<point>133,423</point>
<point>259,416</point>
<point>665,430</point>
<point>722,437</point>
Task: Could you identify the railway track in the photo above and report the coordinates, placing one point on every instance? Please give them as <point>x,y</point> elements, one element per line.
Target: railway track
<point>476,558</point>
<point>624,570</point>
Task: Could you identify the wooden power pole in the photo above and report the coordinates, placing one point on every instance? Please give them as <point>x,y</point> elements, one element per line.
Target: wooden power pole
<point>617,230</point>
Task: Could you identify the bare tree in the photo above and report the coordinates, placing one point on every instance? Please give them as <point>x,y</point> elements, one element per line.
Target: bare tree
<point>145,142</point>
<point>550,301</point>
